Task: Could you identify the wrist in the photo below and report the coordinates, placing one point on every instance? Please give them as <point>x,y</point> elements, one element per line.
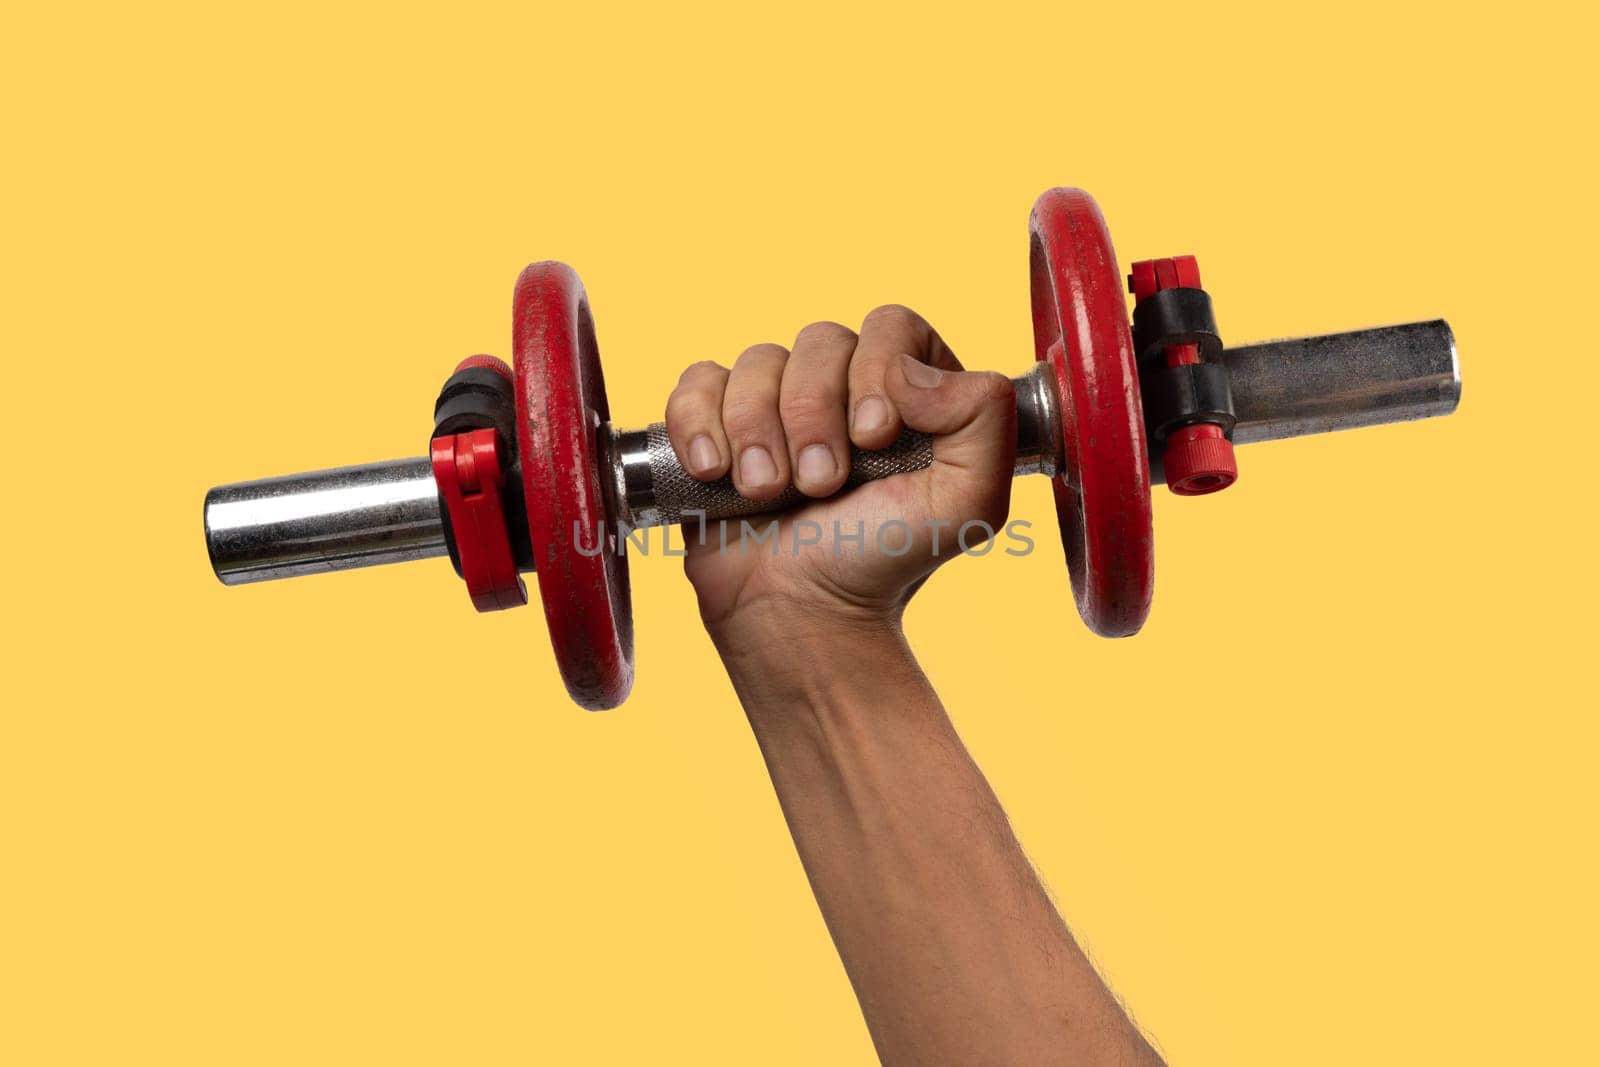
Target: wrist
<point>787,658</point>
<point>804,619</point>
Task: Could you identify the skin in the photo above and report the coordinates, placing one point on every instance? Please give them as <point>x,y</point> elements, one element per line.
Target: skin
<point>951,943</point>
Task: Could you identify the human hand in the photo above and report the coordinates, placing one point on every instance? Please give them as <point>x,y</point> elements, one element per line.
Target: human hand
<point>782,416</point>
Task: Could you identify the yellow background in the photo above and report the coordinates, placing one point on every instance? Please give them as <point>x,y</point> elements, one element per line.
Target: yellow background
<point>1336,804</point>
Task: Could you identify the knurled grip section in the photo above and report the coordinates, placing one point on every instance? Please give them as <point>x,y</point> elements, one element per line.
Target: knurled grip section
<point>678,493</point>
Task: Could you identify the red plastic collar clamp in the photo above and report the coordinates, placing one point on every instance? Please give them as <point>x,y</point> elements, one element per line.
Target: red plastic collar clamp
<point>466,468</point>
<point>1198,459</point>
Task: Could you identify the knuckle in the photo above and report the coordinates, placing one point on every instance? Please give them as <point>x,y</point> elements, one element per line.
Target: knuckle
<point>746,417</point>
<point>705,369</point>
<point>687,402</point>
<point>810,407</point>
<point>995,386</point>
<point>824,334</point>
<point>893,315</point>
<point>763,353</point>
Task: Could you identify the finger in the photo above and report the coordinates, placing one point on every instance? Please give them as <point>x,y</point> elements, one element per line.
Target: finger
<point>811,402</point>
<point>754,427</point>
<point>971,414</point>
<point>694,420</point>
<point>887,333</point>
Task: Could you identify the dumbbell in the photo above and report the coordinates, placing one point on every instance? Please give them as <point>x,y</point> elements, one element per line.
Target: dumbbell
<point>527,473</point>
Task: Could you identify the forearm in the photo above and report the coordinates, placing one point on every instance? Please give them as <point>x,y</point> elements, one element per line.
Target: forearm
<point>955,951</point>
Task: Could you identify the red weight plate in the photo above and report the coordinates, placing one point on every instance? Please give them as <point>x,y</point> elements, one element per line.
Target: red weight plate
<point>561,403</point>
<point>1080,327</point>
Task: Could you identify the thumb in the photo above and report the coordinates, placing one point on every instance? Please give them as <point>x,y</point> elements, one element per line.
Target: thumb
<point>972,415</point>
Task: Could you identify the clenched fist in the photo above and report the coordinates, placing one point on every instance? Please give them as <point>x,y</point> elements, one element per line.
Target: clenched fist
<point>783,416</point>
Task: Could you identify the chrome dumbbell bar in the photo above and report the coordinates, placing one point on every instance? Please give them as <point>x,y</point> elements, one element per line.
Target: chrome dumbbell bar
<point>388,512</point>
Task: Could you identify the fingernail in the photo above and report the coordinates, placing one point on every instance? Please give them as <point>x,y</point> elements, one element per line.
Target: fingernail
<point>817,464</point>
<point>870,414</point>
<point>756,467</point>
<point>920,374</point>
<point>703,455</point>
